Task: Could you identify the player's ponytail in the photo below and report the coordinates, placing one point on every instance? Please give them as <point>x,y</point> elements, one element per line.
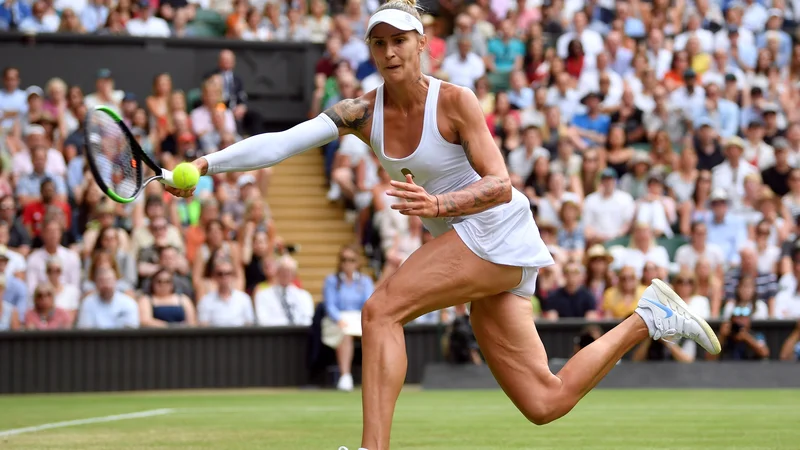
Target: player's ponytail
<point>409,6</point>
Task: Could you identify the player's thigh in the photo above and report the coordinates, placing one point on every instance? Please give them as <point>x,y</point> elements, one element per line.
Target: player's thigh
<point>442,273</point>
<point>504,328</point>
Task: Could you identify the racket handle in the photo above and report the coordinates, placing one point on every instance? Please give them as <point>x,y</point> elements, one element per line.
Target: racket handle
<point>166,177</point>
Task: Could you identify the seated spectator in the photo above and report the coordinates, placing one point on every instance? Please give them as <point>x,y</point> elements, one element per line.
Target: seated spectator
<point>620,301</point>
<point>599,276</point>
<point>710,285</point>
<point>777,176</point>
<point>570,234</point>
<point>13,263</point>
<point>104,217</point>
<point>108,308</point>
<point>108,240</point>
<point>34,212</point>
<point>9,318</point>
<point>698,247</point>
<point>282,303</point>
<point>724,230</point>
<point>52,232</point>
<point>461,347</point>
<point>66,297</point>
<point>655,208</point>
<point>573,300</point>
<point>790,350</point>
<point>519,94</point>
<point>94,15</point>
<point>766,283</point>
<point>70,23</point>
<point>143,237</point>
<point>607,213</point>
<point>169,259</point>
<point>225,306</point>
<point>163,307</point>
<point>318,21</point>
<point>730,174</point>
<point>45,315</point>
<point>465,67</point>
<point>505,54</point>
<point>102,259</point>
<point>105,94</point>
<point>201,117</point>
<point>642,250</point>
<point>635,168</point>
<point>355,172</point>
<point>146,24</point>
<point>34,166</point>
<point>697,208</point>
<point>344,291</point>
<point>768,254</point>
<point>746,295</point>
<point>738,341</point>
<point>556,194</point>
<point>39,21</point>
<point>217,245</point>
<point>593,126</point>
<point>681,182</point>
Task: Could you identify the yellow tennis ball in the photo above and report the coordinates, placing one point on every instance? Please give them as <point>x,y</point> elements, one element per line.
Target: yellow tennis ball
<point>185,176</point>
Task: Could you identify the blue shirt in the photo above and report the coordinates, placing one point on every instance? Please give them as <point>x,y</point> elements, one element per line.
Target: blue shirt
<point>121,312</point>
<point>730,236</point>
<point>634,28</point>
<point>505,53</point>
<point>16,293</point>
<point>784,47</point>
<point>31,184</point>
<point>340,295</point>
<point>522,99</point>
<point>18,9</point>
<point>726,119</point>
<point>600,124</point>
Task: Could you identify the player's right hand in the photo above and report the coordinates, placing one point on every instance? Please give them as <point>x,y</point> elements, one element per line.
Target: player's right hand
<point>182,193</point>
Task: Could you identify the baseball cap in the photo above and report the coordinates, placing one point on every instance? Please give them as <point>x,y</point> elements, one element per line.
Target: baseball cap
<point>245,179</point>
<point>609,172</point>
<point>104,73</point>
<point>34,90</point>
<point>730,77</point>
<point>719,194</point>
<point>780,143</point>
<point>734,141</point>
<point>702,122</point>
<point>129,97</point>
<point>689,73</point>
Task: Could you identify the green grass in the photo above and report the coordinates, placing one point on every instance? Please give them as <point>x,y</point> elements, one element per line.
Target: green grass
<point>462,420</point>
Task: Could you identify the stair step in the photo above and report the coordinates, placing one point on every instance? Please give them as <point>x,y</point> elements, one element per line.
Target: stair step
<point>300,169</point>
<point>309,237</point>
<point>300,201</point>
<point>320,225</point>
<point>281,214</point>
<point>289,190</point>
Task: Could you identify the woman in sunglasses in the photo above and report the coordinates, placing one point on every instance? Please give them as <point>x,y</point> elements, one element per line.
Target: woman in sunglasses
<point>738,341</point>
<point>163,308</point>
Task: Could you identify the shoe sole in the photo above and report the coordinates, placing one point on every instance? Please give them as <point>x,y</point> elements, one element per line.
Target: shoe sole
<point>684,309</point>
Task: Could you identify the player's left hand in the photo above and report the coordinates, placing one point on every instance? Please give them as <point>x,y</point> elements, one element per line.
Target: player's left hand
<point>418,202</point>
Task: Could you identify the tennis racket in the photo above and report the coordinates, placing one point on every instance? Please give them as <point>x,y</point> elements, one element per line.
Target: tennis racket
<point>116,160</point>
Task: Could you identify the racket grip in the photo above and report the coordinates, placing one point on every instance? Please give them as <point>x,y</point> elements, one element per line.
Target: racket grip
<point>166,178</point>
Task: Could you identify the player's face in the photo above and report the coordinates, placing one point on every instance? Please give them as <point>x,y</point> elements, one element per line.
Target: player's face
<point>396,52</point>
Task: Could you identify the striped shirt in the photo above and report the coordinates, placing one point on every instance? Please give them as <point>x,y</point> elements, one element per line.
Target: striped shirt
<point>766,284</point>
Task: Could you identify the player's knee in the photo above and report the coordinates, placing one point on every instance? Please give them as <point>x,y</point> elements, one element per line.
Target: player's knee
<point>373,314</point>
<point>539,413</point>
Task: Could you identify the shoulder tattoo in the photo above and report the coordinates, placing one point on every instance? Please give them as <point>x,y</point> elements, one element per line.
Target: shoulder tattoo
<point>350,113</point>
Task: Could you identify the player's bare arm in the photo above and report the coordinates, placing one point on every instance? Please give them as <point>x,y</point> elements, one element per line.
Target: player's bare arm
<point>350,115</point>
<point>494,187</point>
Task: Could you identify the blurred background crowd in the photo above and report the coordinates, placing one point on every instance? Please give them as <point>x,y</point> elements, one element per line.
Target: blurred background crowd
<point>654,139</point>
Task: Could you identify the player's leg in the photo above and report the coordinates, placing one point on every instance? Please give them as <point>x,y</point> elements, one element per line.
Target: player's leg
<point>344,357</point>
<point>441,273</point>
<point>503,326</point>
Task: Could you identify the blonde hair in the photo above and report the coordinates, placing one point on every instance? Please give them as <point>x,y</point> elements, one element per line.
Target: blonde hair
<point>409,6</point>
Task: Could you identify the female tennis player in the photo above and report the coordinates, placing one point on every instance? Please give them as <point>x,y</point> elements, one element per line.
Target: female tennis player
<point>431,137</point>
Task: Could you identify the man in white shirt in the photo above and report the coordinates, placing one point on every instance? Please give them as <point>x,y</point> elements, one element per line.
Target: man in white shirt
<point>226,306</point>
<point>688,254</point>
<point>13,100</point>
<point>465,66</point>
<point>39,22</point>
<point>608,213</point>
<point>756,151</point>
<point>729,175</point>
<point>787,305</point>
<point>146,24</point>
<point>104,93</point>
<point>108,308</point>
<point>283,303</point>
<point>37,261</point>
<point>693,29</point>
<point>591,40</point>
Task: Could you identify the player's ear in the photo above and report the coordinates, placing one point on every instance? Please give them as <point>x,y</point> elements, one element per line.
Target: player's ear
<point>423,42</point>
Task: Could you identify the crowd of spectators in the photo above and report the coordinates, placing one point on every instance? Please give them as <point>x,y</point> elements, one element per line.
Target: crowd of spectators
<point>653,139</point>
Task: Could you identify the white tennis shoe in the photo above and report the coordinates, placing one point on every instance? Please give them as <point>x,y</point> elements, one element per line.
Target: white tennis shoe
<point>667,315</point>
<point>345,383</point>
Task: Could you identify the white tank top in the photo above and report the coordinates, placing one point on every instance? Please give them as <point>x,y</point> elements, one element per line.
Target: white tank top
<point>437,165</point>
<point>505,234</point>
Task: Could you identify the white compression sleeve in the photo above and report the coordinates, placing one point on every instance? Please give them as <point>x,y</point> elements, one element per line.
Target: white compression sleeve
<point>268,149</point>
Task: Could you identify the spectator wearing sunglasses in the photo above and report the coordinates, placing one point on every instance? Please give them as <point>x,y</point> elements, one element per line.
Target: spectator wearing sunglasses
<point>225,306</point>
<point>765,283</point>
<point>45,315</point>
<point>738,341</point>
<point>164,307</point>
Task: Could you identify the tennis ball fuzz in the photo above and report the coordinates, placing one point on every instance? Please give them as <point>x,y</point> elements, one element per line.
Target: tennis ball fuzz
<point>185,176</point>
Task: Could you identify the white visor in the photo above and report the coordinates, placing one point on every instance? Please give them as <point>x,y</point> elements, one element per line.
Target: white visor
<point>396,18</point>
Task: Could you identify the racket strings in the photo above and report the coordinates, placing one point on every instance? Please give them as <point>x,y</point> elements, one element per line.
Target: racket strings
<point>113,156</point>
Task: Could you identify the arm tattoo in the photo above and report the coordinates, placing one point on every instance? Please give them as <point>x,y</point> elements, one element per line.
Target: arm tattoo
<point>489,191</point>
<point>349,113</point>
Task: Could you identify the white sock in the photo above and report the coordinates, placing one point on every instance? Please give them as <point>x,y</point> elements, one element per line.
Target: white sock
<point>647,316</point>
